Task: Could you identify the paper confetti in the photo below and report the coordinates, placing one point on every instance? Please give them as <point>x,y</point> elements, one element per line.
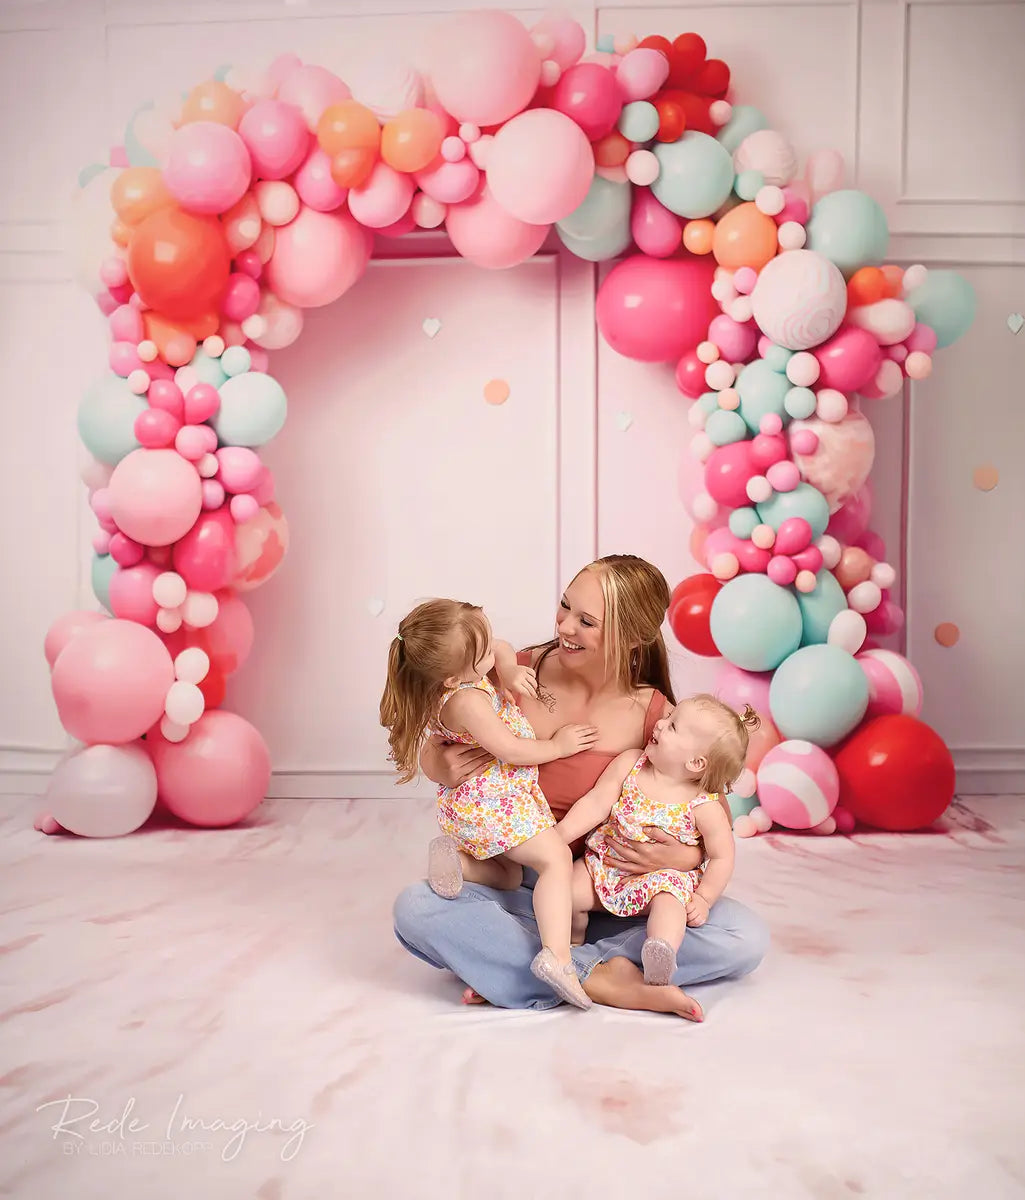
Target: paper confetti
<point>375,607</point>
<point>947,634</point>
<point>624,420</point>
<point>985,478</point>
<point>496,391</point>
<point>1015,321</point>
<point>432,326</point>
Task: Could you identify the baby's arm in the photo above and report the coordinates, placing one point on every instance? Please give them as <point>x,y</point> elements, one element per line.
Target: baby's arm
<point>517,680</point>
<point>470,710</point>
<point>717,836</point>
<point>594,806</point>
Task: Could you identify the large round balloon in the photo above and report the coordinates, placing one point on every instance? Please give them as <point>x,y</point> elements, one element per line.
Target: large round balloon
<point>946,303</point>
<point>107,416</point>
<point>695,175</point>
<point>819,694</point>
<point>155,496</point>
<point>103,791</point>
<point>540,166</point>
<point>799,300</point>
<point>849,228</point>
<point>797,784</point>
<point>599,227</point>
<point>65,628</point>
<point>895,773</point>
<point>819,607</point>
<point>689,613</point>
<point>317,257</point>
<point>179,262</point>
<point>217,775</point>
<point>755,623</point>
<point>655,310</point>
<point>488,235</point>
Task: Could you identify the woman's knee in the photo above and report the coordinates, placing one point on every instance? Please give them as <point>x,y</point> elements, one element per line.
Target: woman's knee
<point>413,906</point>
<point>752,939</point>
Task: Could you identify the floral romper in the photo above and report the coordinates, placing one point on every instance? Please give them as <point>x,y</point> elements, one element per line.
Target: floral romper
<point>504,806</point>
<point>630,895</point>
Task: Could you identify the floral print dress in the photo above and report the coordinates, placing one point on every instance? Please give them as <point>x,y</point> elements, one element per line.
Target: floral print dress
<point>504,806</point>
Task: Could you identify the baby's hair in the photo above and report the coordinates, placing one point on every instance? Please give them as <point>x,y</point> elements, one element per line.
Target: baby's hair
<point>438,639</point>
<point>726,755</point>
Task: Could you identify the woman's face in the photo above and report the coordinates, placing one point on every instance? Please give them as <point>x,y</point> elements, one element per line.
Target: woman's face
<point>579,623</point>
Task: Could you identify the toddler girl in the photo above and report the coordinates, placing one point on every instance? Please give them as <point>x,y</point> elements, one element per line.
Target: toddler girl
<point>678,784</point>
<point>497,823</point>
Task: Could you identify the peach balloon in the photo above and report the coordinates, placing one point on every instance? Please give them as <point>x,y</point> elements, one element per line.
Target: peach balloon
<point>412,141</point>
<point>854,567</point>
<point>698,236</point>
<point>745,237</point>
<point>137,192</point>
<point>213,101</point>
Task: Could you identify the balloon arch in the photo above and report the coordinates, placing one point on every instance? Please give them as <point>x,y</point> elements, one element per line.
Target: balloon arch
<point>214,226</point>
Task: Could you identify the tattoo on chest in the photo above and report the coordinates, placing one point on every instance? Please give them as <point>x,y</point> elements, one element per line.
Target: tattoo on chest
<point>545,698</point>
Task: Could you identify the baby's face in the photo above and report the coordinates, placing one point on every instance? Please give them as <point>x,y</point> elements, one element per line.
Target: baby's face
<point>681,740</point>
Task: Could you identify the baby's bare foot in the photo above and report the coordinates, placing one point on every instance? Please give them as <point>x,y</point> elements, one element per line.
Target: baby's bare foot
<point>444,870</point>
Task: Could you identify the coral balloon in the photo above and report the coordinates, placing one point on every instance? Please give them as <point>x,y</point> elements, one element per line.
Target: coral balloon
<point>689,614</point>
<point>213,101</point>
<point>412,141</point>
<point>895,773</point>
<point>179,263</point>
<point>744,237</point>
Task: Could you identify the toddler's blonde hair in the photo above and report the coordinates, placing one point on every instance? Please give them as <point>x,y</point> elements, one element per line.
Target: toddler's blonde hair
<point>726,755</point>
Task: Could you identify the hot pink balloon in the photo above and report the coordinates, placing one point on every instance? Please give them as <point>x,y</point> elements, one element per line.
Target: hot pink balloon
<point>486,234</point>
<point>383,199</point>
<point>590,96</point>
<point>155,428</point>
<point>483,66</point>
<point>276,136</point>
<point>690,375</point>
<point>65,628</point>
<point>727,473</point>
<point>229,639</point>
<point>155,496</point>
<point>550,151</point>
<point>218,775</point>
<point>748,555</point>
<point>110,682</point>
<point>239,468</point>
<point>656,310</point>
<point>851,520</point>
<point>205,556</point>
<point>736,342</point>
<point>655,229</point>
<point>312,89</point>
<point>793,536</point>
<point>317,257</point>
<point>314,184</point>
<point>131,593</point>
<point>208,168</point>
<point>241,296</point>
<point>848,360</point>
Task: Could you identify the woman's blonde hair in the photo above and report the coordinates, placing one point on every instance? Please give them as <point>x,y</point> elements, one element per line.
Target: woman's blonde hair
<point>726,756</point>
<point>437,640</point>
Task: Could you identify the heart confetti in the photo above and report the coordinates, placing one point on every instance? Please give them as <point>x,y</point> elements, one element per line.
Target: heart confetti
<point>1015,321</point>
<point>624,420</point>
<point>432,327</point>
<point>375,606</point>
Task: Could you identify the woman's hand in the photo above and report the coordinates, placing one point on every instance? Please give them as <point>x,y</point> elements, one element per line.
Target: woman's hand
<point>663,852</point>
<point>450,763</point>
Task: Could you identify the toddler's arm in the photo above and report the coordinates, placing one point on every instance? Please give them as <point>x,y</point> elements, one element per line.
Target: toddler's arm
<point>717,836</point>
<point>517,680</point>
<point>470,710</point>
<point>594,806</point>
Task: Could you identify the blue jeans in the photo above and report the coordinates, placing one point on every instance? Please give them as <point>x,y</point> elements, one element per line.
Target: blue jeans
<point>488,939</point>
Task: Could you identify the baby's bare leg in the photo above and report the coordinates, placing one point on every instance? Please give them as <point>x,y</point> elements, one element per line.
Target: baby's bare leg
<point>585,902</point>
<point>667,923</point>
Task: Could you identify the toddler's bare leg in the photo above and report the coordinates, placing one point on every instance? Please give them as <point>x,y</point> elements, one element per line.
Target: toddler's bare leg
<point>584,903</point>
<point>667,923</point>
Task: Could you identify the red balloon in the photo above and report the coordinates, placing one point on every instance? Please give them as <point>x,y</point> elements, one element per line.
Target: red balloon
<point>689,613</point>
<point>179,263</point>
<point>671,119</point>
<point>895,773</point>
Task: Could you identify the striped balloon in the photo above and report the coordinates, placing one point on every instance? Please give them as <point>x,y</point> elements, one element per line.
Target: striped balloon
<point>894,686</point>
<point>798,785</point>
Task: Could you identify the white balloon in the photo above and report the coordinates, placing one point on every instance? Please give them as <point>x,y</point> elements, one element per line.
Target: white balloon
<point>848,631</point>
<point>865,597</point>
<point>184,704</point>
<point>169,590</point>
<point>103,791</point>
<point>192,665</point>
<point>200,609</point>
<point>172,731</point>
<point>88,230</point>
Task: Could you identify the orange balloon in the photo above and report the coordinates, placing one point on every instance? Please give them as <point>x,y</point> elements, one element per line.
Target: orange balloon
<point>137,192</point>
<point>744,237</point>
<point>120,233</point>
<point>761,741</point>
<point>348,126</point>
<point>175,346</point>
<point>855,566</point>
<point>612,150</point>
<point>179,263</point>
<point>698,537</point>
<point>213,101</point>
<point>412,141</point>
<point>866,287</point>
<point>894,280</point>
<point>698,236</point>
<point>351,168</point>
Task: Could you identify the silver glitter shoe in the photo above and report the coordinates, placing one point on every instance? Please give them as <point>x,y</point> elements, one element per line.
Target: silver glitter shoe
<point>659,961</point>
<point>561,979</point>
<point>444,870</point>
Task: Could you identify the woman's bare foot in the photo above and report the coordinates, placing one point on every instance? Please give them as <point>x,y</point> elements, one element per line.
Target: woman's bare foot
<point>619,984</point>
<point>469,996</point>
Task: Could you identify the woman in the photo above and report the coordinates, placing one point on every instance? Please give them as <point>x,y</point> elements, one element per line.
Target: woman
<point>606,667</point>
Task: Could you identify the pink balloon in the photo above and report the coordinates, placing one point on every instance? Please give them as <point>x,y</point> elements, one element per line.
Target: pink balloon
<point>205,556</point>
<point>885,620</point>
<point>848,360</point>
<point>167,395</point>
<point>748,555</point>
<point>690,375</point>
<point>483,66</point>
<point>850,521</point>
<point>590,96</point>
<point>202,400</point>
<point>540,166</point>
<point>781,570</point>
<point>155,428</point>
<point>809,559</point>
<point>124,359</point>
<point>737,688</point>
<point>217,775</point>
<point>405,224</point>
<point>125,552</point>
<point>208,168</point>
<point>566,36</point>
<point>312,89</point>
<point>727,473</point>
<point>229,639</point>
<point>484,232</point>
<point>260,546</point>
<point>873,545</point>
<point>131,593</point>
<point>155,496</point>
<point>276,136</point>
<point>65,628</point>
<point>768,449</point>
<point>239,468</point>
<point>126,325</point>
<point>241,296</point>
<point>317,257</point>
<point>383,199</point>
<point>449,182</point>
<point>642,72</point>
<point>314,184</point>
<point>736,342</point>
<point>110,681</point>
<point>656,310</point>
<point>655,229</point>
<point>793,536</point>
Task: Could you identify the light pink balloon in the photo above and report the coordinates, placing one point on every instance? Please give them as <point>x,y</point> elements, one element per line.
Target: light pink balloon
<point>736,342</point>
<point>276,136</point>
<point>218,775</point>
<point>131,593</point>
<point>655,229</point>
<point>102,791</point>
<point>566,35</point>
<point>540,166</point>
<point>842,459</point>
<point>824,173</point>
<point>208,168</point>
<point>484,233</point>
<point>642,72</point>
<point>229,639</point>
<point>65,628</point>
<point>383,199</point>
<point>110,682</point>
<point>483,66</point>
<point>314,184</point>
<point>317,257</point>
<point>449,182</point>
<point>737,688</point>
<point>312,89</point>
<point>155,496</point>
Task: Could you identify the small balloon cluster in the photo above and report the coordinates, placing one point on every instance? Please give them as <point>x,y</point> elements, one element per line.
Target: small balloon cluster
<point>224,216</point>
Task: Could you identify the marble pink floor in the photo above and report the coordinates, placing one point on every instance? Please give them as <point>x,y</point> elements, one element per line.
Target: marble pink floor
<point>246,976</point>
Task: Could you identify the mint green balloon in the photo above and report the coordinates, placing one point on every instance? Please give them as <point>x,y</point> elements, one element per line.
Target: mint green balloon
<point>748,184</point>
<point>946,303</point>
<point>599,227</point>
<point>639,120</point>
<point>208,369</point>
<point>103,569</point>
<point>762,390</point>
<point>800,403</point>
<point>743,522</point>
<point>708,402</point>
<point>744,119</point>
<point>849,228</point>
<point>724,427</point>
<point>106,418</point>
<point>740,806</point>
<point>253,409</point>
<point>819,607</point>
<point>818,694</point>
<point>695,175</point>
<point>804,501</point>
